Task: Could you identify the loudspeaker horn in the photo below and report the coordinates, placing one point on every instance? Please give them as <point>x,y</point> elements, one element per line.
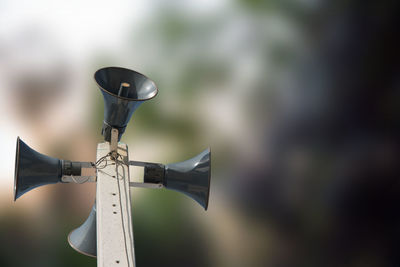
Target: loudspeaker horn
<point>84,239</point>
<point>33,169</point>
<point>123,91</point>
<point>191,177</point>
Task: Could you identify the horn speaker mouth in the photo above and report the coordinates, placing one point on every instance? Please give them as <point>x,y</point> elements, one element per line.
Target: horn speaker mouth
<point>16,169</point>
<point>140,87</point>
<point>209,178</point>
<point>80,251</point>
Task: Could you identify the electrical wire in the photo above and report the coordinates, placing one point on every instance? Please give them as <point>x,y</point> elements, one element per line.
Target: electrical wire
<point>121,212</point>
<point>127,199</point>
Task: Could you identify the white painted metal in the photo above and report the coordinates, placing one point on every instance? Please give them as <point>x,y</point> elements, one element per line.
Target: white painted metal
<point>114,219</point>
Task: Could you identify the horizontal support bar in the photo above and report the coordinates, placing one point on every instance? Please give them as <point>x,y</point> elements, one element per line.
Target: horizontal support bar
<point>142,163</point>
<point>138,163</point>
<point>87,164</point>
<point>78,179</point>
<point>146,185</point>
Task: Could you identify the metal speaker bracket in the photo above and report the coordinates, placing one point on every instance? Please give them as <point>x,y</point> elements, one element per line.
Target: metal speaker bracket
<point>78,179</point>
<point>153,175</point>
<point>114,143</point>
<point>146,185</point>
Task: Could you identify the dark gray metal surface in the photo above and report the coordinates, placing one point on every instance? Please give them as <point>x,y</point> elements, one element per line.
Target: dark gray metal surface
<point>33,169</point>
<point>84,239</point>
<point>124,91</point>
<point>191,177</point>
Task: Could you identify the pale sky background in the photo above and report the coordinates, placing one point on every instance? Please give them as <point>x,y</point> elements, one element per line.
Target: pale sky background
<point>45,32</point>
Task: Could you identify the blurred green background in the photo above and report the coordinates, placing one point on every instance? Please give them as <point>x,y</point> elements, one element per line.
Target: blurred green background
<point>280,91</point>
<point>208,60</point>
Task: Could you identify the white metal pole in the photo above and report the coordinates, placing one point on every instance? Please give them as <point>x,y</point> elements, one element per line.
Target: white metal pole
<point>114,220</point>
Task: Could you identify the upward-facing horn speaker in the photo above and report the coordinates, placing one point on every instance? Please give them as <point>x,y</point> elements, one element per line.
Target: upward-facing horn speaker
<point>191,177</point>
<point>123,91</point>
<point>84,238</point>
<point>33,169</point>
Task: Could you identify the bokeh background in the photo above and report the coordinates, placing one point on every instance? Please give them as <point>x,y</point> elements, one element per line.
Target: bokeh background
<point>298,99</point>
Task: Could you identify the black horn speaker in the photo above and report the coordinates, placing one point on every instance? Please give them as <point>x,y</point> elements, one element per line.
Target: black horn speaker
<point>123,91</point>
<point>33,169</point>
<point>191,177</point>
<point>84,238</point>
